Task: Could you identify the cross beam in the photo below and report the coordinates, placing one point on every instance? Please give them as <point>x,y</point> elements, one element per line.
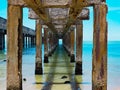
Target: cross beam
<point>36,5</point>
<point>75,10</point>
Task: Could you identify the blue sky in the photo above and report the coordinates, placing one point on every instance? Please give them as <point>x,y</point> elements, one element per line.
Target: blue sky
<point>113,18</point>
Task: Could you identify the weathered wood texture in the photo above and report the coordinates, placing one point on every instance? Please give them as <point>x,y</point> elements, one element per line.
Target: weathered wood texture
<point>72,44</point>
<point>2,41</point>
<point>17,2</point>
<point>14,48</point>
<point>79,43</point>
<point>99,66</point>
<point>45,45</point>
<point>38,67</point>
<point>41,12</point>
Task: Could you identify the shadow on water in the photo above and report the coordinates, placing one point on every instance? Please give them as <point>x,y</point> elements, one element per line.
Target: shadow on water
<point>60,57</point>
<point>49,80</point>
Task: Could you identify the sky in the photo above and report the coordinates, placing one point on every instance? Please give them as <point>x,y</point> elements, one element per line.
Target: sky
<point>113,18</point>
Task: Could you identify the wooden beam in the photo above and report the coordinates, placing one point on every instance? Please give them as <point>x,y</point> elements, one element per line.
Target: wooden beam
<point>54,3</point>
<point>99,69</point>
<point>14,48</point>
<point>66,3</point>
<point>75,10</point>
<point>17,2</point>
<point>36,5</point>
<point>38,67</point>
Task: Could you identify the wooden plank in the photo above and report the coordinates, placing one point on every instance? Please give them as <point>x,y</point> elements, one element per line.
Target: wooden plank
<point>99,67</point>
<point>68,2</point>
<point>38,67</point>
<point>14,49</point>
<point>60,13</point>
<point>17,2</point>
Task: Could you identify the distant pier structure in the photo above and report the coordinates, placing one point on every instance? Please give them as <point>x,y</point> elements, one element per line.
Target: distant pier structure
<point>27,34</point>
<point>60,19</point>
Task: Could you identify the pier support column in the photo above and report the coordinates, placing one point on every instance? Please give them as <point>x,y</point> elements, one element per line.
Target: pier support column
<point>26,41</point>
<point>45,45</point>
<point>99,69</point>
<point>2,41</point>
<point>38,64</point>
<point>23,40</point>
<point>50,43</point>
<point>72,40</point>
<point>79,43</point>
<point>14,48</point>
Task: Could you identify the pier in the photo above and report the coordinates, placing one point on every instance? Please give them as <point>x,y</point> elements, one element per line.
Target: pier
<point>60,20</point>
<point>27,34</point>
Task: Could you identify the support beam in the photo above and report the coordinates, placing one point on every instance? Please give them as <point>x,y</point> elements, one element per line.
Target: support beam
<point>14,48</point>
<point>36,6</point>
<point>45,45</point>
<point>79,43</point>
<point>72,41</point>
<point>38,64</point>
<point>99,69</point>
<point>75,9</point>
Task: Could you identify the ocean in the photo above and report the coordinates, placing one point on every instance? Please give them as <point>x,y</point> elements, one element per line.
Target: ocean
<point>29,67</point>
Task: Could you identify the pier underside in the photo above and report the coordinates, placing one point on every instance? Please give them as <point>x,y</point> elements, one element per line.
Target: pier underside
<point>60,19</point>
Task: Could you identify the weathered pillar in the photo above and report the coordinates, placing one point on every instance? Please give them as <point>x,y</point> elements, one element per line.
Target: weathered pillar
<point>29,41</point>
<point>72,40</point>
<point>26,41</point>
<point>67,43</point>
<point>23,40</point>
<point>14,48</point>
<point>1,41</point>
<point>50,43</point>
<point>38,64</point>
<point>32,40</point>
<point>45,45</point>
<point>79,43</point>
<point>99,69</point>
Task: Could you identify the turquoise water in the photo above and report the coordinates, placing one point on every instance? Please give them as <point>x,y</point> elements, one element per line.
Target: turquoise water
<point>29,64</point>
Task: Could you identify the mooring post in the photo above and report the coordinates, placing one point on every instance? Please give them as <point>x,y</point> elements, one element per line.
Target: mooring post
<point>99,67</point>
<point>38,63</point>
<point>72,41</point>
<point>79,43</point>
<point>14,48</point>
<point>45,45</point>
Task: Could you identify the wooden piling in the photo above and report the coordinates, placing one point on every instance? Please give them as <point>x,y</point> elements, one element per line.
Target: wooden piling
<point>99,64</point>
<point>45,45</point>
<point>14,48</point>
<point>2,39</point>
<point>38,64</point>
<point>79,43</point>
<point>72,41</point>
